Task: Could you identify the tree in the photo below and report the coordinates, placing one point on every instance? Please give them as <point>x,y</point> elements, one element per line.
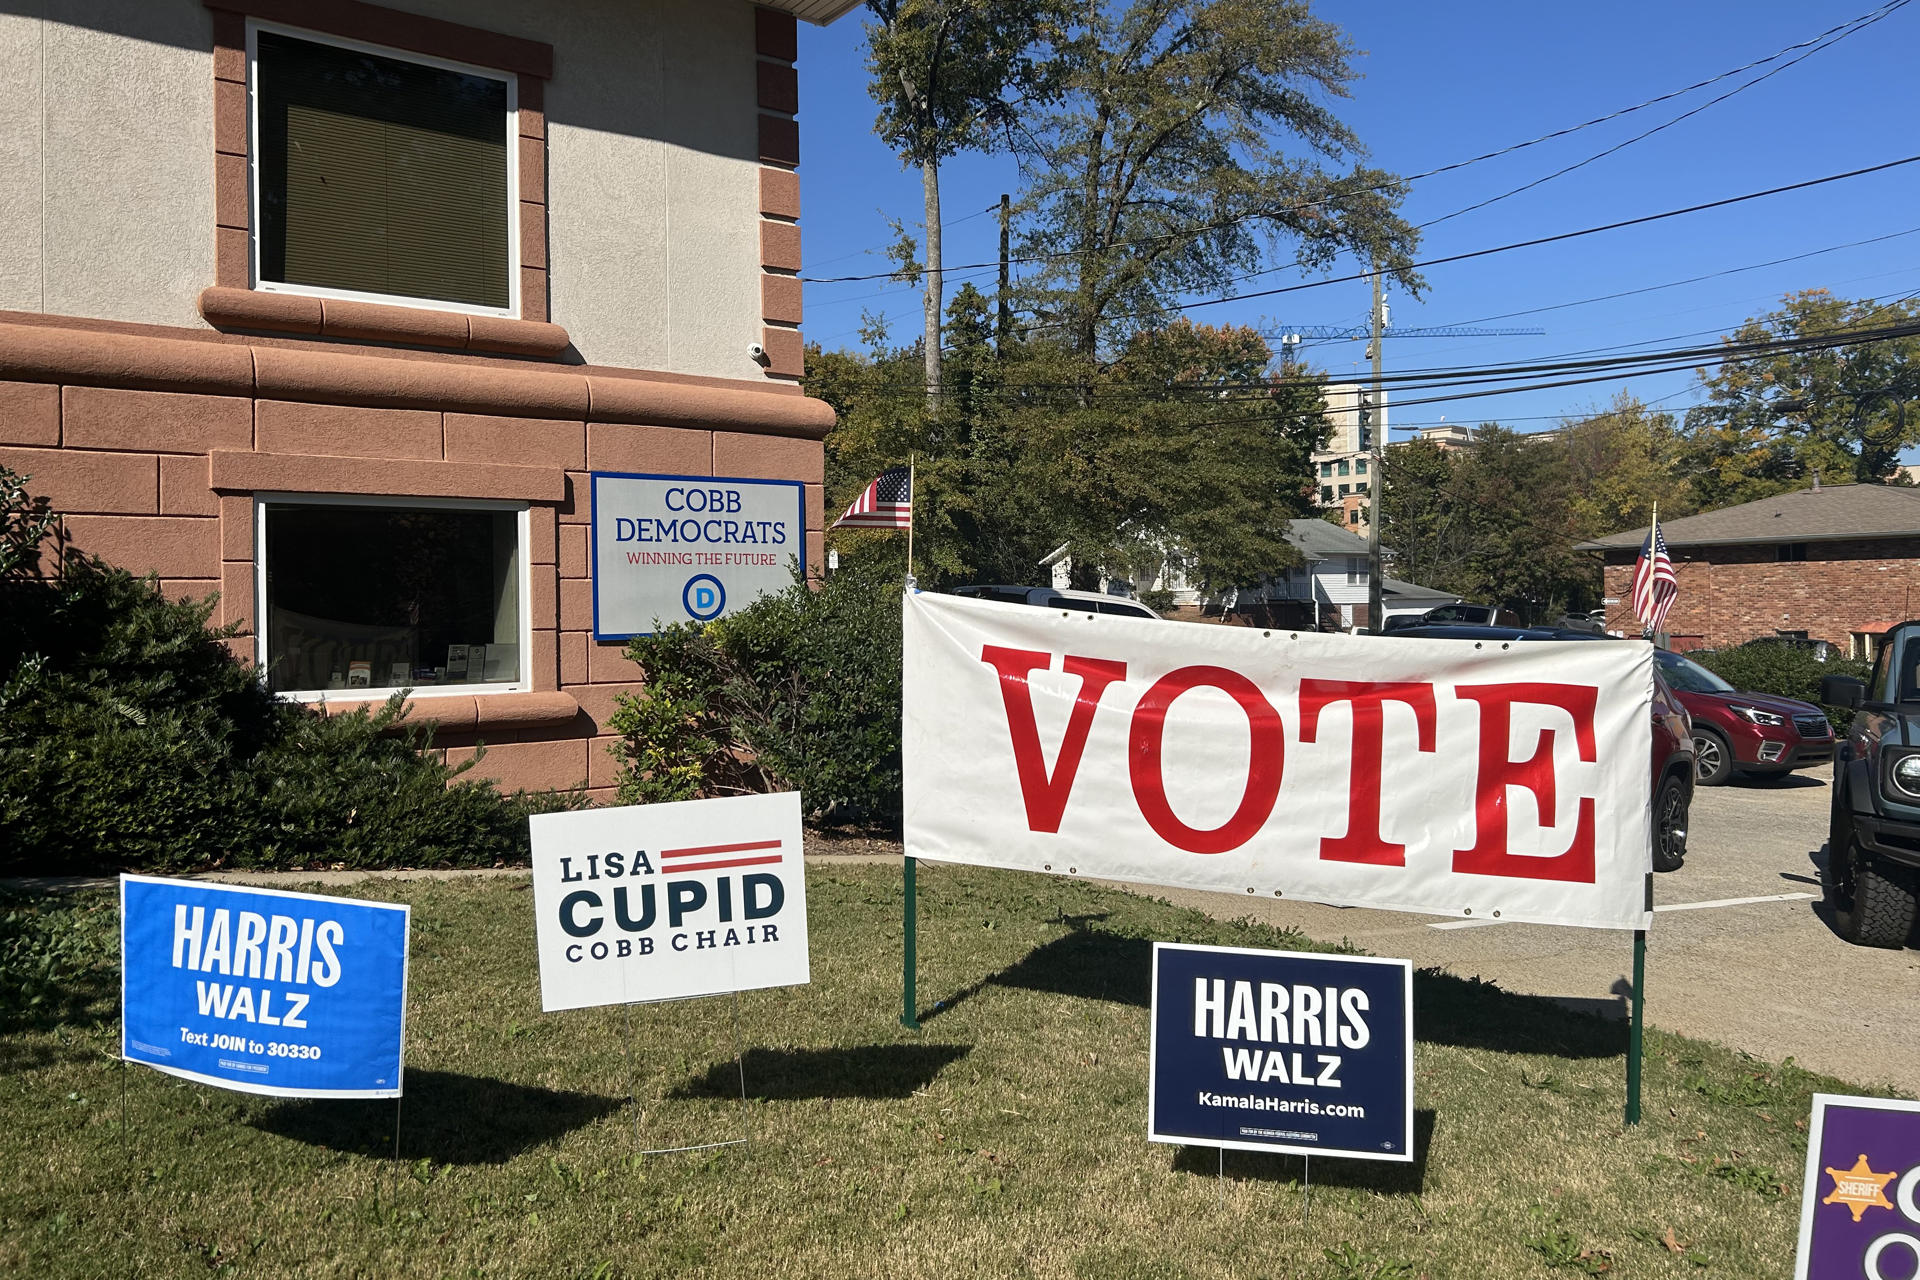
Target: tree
<point>1622,462</point>
<point>948,75</point>
<point>1423,525</point>
<point>1156,169</point>
<point>1773,419</point>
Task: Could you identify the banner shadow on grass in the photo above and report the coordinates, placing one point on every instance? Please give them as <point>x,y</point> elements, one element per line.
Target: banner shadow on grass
<point>1471,1013</point>
<point>446,1117</point>
<point>1385,1176</point>
<point>862,1071</point>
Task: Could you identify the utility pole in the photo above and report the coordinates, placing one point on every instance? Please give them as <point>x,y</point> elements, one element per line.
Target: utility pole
<point>1004,325</point>
<point>1376,430</point>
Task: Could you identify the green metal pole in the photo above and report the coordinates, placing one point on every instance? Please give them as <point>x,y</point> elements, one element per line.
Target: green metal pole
<point>909,1002</point>
<point>1637,1027</point>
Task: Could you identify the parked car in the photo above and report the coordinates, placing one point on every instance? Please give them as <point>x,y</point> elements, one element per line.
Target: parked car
<point>1672,737</point>
<point>1873,833</point>
<point>1460,614</point>
<point>1735,732</point>
<point>1059,598</point>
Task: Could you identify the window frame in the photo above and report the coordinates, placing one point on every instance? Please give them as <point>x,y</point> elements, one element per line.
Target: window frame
<point>523,528</point>
<point>511,124</point>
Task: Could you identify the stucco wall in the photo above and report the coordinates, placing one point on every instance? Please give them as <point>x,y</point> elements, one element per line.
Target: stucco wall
<point>652,168</point>
<point>106,169</point>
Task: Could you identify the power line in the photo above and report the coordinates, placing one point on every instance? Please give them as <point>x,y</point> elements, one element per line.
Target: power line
<point>1852,28</point>
<point>1387,186</point>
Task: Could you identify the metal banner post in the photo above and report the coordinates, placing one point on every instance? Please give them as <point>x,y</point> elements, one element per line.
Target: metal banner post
<point>909,1000</point>
<point>1636,1027</point>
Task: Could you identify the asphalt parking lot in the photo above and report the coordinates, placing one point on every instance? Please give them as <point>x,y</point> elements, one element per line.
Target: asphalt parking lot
<point>1740,950</point>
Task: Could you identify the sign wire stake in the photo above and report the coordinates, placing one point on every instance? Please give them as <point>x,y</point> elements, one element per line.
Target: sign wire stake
<point>397,1100</point>
<point>626,1051</point>
<point>740,1065</point>
<point>1223,1176</point>
<point>1306,1189</point>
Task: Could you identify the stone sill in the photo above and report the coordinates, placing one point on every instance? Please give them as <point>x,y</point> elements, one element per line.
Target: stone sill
<point>247,309</point>
<point>476,712</point>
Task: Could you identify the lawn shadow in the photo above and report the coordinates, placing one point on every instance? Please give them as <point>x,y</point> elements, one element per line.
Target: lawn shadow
<point>1475,1014</point>
<point>863,1071</point>
<point>1089,963</point>
<point>1389,1177</point>
<point>446,1117</point>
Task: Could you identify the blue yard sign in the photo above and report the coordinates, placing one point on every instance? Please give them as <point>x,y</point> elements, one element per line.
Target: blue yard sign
<point>291,994</point>
<point>1281,1051</point>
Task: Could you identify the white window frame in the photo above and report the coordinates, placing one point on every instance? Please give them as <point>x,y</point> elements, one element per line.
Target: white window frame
<point>512,81</point>
<point>523,529</point>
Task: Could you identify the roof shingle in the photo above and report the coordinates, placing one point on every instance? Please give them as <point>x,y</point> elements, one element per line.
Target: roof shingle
<point>1805,515</point>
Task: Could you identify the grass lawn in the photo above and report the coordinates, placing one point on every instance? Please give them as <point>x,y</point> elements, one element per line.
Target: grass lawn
<point>1006,1138</point>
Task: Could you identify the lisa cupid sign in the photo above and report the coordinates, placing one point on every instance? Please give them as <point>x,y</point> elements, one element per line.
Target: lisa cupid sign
<point>1281,1051</point>
<point>1494,781</point>
<point>666,901</point>
<point>290,994</point>
<point>670,549</point>
<point>1860,1201</point>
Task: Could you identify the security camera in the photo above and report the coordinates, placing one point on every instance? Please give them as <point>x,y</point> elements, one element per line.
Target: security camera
<point>757,352</point>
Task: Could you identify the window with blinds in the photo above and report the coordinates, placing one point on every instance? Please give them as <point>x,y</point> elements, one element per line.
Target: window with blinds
<point>381,176</point>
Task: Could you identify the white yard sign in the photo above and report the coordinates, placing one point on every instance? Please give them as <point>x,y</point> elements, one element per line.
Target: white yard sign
<point>665,901</point>
<point>670,549</point>
<point>1493,780</point>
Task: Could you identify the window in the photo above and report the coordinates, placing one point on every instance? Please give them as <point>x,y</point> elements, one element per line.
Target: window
<point>368,593</point>
<point>1353,516</point>
<point>1791,551</point>
<point>382,177</point>
<point>1343,466</point>
<point>1344,489</point>
<point>1362,488</point>
<point>1326,468</point>
<point>1326,493</point>
<point>1360,466</point>
<point>1354,569</point>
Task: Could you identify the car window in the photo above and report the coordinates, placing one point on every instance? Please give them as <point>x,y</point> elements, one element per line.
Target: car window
<point>1684,673</point>
<point>1877,684</point>
<point>1909,672</point>
<point>1068,602</point>
<point>1126,610</point>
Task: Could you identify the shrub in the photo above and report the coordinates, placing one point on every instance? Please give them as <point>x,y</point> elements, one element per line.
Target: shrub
<point>1782,670</point>
<point>800,691</point>
<point>131,738</point>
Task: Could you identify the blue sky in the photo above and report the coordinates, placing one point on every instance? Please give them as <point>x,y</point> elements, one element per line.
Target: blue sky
<point>1446,82</point>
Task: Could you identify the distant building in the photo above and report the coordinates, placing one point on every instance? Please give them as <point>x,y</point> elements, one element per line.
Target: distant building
<point>1341,470</point>
<point>1837,563</point>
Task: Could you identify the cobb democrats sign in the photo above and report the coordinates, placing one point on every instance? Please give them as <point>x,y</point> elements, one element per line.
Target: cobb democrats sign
<point>1860,1202</point>
<point>1278,1051</point>
<point>290,994</point>
<point>665,901</point>
<point>1447,776</point>
<point>688,548</point>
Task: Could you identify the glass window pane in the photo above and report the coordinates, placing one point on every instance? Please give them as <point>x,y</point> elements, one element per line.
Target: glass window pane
<point>386,597</point>
<point>381,175</point>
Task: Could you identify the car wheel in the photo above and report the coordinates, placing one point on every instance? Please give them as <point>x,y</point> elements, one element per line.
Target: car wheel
<point>1712,758</point>
<point>1873,905</point>
<point>1670,825</point>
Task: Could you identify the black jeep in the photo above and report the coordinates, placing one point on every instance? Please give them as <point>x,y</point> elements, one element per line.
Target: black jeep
<point>1873,837</point>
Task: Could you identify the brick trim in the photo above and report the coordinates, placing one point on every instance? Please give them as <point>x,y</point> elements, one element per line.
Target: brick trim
<point>233,472</point>
<point>530,61</point>
<point>777,88</point>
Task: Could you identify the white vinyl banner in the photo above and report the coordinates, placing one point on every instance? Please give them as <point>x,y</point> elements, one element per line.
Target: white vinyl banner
<point>1484,779</point>
<point>665,901</point>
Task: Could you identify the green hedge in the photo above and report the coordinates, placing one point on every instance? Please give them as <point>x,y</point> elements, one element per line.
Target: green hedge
<point>1783,671</point>
<point>800,691</point>
<point>131,738</point>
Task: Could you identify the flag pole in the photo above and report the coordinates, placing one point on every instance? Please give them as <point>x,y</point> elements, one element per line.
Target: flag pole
<point>910,923</point>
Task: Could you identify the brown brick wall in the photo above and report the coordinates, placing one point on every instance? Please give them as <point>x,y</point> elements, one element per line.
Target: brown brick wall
<point>133,474</point>
<point>1729,595</point>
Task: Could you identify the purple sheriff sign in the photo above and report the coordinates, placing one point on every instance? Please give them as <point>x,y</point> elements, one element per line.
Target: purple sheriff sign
<point>1860,1203</point>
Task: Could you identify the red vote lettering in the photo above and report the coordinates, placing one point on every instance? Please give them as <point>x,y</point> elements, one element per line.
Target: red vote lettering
<point>1363,843</point>
<point>1046,797</point>
<point>1489,855</point>
<point>1266,758</point>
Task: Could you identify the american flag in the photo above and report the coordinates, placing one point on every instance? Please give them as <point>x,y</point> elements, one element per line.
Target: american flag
<point>1654,586</point>
<point>886,504</point>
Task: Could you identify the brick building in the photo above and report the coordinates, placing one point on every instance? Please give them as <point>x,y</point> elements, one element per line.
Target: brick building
<point>1836,562</point>
<point>333,308</point>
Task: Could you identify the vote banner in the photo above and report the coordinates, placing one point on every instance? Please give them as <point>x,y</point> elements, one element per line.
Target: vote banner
<point>1281,1051</point>
<point>663,901</point>
<point>1492,780</point>
<point>1860,1198</point>
<point>291,994</point>
<point>670,549</point>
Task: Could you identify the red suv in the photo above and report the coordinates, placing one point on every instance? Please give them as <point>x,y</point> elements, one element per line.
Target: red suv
<point>1735,732</point>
